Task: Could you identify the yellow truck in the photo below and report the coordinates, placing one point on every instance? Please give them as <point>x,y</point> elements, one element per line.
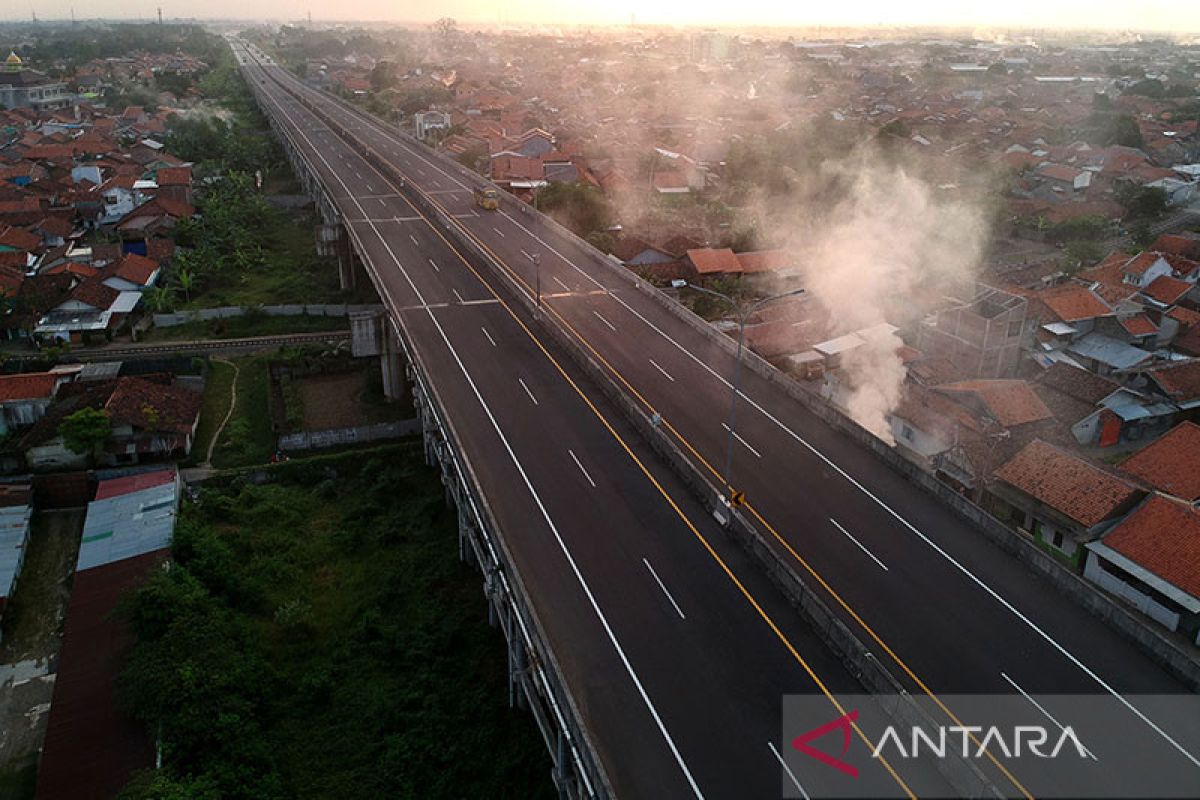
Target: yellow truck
<point>487,198</point>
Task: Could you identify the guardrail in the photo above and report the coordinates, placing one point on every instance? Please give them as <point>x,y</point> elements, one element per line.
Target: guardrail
<point>963,774</point>
<point>1170,655</point>
<point>535,677</point>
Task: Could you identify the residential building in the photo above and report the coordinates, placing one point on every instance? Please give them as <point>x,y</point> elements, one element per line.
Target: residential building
<point>90,742</point>
<point>1151,560</point>
<point>1062,502</point>
<point>982,338</point>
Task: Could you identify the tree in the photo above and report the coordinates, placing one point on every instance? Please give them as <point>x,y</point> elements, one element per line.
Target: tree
<point>160,299</point>
<point>445,27</point>
<point>1142,202</point>
<point>578,206</point>
<point>85,431</point>
<point>1123,129</point>
<point>1149,87</point>
<point>186,279</point>
<point>1082,253</point>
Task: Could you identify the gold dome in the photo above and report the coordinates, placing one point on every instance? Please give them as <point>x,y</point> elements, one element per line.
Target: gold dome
<point>13,59</point>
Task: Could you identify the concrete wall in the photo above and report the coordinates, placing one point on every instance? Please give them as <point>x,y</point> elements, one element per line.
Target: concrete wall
<point>338,437</point>
<point>223,312</point>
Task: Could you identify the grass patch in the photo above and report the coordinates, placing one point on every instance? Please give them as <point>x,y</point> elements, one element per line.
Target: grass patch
<point>218,389</point>
<point>291,270</point>
<point>248,439</point>
<point>246,325</point>
<point>318,637</point>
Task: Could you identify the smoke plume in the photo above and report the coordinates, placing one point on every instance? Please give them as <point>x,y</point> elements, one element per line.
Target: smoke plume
<point>888,251</point>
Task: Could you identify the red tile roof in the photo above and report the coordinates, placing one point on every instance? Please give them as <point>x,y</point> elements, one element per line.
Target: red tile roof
<point>1167,290</point>
<point>1171,463</point>
<point>114,487</point>
<point>1139,325</point>
<point>74,268</point>
<point>1011,402</point>
<point>27,386</point>
<point>765,261</point>
<point>133,268</point>
<point>709,261</point>
<point>1182,244</point>
<point>1141,262</point>
<point>1184,316</point>
<point>1072,302</point>
<point>174,176</point>
<point>1181,381</point>
<point>1071,486</point>
<point>153,406</point>
<point>1163,536</point>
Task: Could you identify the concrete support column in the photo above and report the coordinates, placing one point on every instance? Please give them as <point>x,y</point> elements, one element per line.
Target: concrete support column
<point>392,365</point>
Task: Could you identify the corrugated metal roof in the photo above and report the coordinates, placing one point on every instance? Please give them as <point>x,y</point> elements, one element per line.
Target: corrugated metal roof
<point>14,534</point>
<point>134,517</point>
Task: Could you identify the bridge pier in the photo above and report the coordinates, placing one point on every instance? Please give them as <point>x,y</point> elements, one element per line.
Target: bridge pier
<point>372,335</point>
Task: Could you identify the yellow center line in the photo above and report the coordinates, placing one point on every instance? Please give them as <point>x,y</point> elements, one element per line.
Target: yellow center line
<point>749,597</point>
<point>758,516</point>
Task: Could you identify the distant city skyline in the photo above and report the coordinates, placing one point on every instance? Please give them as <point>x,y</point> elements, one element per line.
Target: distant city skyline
<point>1153,15</point>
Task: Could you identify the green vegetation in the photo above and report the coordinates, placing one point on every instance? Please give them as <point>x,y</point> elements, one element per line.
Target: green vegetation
<point>248,438</point>
<point>85,431</point>
<point>251,324</point>
<point>302,648</point>
<point>581,208</point>
<point>1142,202</point>
<point>243,252</point>
<point>218,391</point>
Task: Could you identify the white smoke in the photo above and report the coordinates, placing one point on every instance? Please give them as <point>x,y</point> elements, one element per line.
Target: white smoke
<point>885,253</point>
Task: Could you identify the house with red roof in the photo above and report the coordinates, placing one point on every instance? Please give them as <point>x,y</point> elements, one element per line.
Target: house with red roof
<point>133,273</point>
<point>1059,500</point>
<point>1171,463</point>
<point>24,398</point>
<point>1151,561</point>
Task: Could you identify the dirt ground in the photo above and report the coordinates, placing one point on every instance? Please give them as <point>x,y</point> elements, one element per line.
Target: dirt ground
<point>32,637</point>
<point>342,400</point>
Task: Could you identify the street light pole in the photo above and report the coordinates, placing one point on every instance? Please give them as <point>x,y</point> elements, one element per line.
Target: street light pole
<point>537,273</point>
<point>743,315</point>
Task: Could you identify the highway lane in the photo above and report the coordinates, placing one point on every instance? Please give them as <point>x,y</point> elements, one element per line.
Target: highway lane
<point>671,604</point>
<point>949,576</point>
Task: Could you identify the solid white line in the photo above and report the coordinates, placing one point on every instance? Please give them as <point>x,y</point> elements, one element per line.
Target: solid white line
<point>885,507</point>
<point>861,546</point>
<point>498,233</point>
<point>738,436</point>
<point>663,371</point>
<point>663,586</point>
<point>788,770</point>
<point>489,336</point>
<point>526,388</point>
<point>606,322</point>
<point>414,240</point>
<point>457,295</point>
<point>1046,713</point>
<point>560,283</point>
<point>545,514</point>
<point>435,266</point>
<point>575,458</point>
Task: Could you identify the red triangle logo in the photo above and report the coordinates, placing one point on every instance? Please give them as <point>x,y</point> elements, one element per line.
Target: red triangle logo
<point>842,723</point>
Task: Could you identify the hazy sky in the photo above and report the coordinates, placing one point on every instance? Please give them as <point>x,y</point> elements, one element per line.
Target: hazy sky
<point>1172,15</point>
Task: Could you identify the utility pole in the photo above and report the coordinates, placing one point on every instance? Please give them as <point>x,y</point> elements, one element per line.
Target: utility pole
<point>735,497</point>
<point>160,15</point>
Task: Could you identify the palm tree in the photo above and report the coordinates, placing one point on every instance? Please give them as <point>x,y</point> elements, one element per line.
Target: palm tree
<point>186,279</point>
<point>160,298</point>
